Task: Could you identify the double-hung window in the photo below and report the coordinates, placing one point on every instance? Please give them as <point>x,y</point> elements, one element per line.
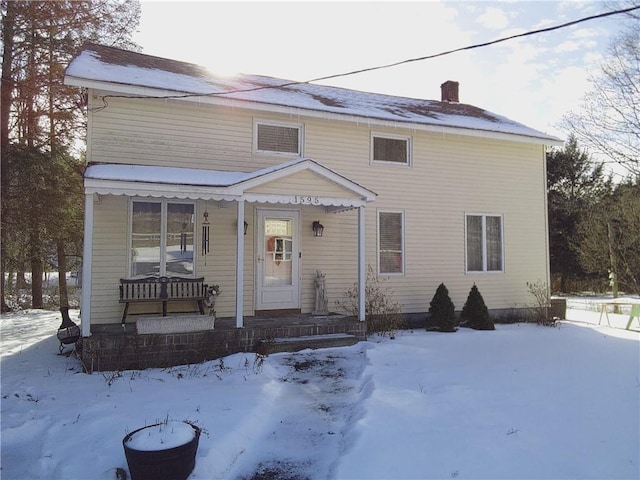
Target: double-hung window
<point>162,238</point>
<point>485,251</point>
<point>392,149</point>
<point>390,242</point>
<point>277,138</point>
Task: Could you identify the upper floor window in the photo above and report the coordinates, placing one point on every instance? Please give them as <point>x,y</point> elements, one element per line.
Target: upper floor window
<point>391,149</point>
<point>162,236</point>
<point>485,251</point>
<point>277,138</point>
<point>390,242</point>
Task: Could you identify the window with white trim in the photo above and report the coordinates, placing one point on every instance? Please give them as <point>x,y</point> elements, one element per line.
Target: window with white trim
<point>277,138</point>
<point>390,242</point>
<point>391,149</point>
<point>162,238</point>
<point>484,239</point>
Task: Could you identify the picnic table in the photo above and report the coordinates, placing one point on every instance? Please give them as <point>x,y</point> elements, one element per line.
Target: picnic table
<point>634,313</point>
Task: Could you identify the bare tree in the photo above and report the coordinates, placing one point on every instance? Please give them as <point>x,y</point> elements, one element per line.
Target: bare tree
<point>609,237</point>
<point>608,123</point>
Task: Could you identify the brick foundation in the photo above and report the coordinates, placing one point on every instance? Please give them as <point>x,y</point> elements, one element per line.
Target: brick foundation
<point>127,350</point>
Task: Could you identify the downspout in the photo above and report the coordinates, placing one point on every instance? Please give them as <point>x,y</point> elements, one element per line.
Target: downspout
<point>87,258</point>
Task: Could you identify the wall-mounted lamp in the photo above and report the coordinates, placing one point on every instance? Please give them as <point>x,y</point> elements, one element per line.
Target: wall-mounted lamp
<point>246,225</point>
<point>318,228</point>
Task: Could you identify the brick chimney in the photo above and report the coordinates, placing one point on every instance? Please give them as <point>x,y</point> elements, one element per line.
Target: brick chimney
<point>450,91</point>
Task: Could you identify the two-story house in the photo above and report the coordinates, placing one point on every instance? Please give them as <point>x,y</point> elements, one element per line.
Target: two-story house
<point>257,184</point>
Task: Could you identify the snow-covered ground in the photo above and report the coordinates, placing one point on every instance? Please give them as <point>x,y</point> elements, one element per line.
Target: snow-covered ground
<point>522,401</point>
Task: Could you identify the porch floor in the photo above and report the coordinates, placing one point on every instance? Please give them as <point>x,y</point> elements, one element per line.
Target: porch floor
<point>229,323</point>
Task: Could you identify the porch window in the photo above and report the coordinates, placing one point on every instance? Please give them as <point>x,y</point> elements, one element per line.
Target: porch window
<point>390,149</point>
<point>277,138</point>
<point>484,243</point>
<point>390,242</point>
<point>162,238</point>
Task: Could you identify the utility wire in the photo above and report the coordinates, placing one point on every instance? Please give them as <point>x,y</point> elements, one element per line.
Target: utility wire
<point>395,64</point>
<point>479,45</point>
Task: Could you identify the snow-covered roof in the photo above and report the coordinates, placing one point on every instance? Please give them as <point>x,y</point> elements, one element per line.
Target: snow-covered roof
<point>116,69</point>
<point>147,180</point>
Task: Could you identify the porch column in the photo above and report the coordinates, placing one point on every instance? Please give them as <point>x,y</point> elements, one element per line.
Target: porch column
<point>240,265</point>
<point>362,274</point>
<point>87,256</point>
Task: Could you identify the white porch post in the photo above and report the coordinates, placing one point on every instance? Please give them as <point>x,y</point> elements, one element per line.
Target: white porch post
<point>362,275</point>
<point>87,256</point>
<point>240,266</point>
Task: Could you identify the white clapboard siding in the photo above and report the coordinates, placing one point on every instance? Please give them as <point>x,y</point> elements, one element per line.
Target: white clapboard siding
<point>449,176</point>
<point>109,257</point>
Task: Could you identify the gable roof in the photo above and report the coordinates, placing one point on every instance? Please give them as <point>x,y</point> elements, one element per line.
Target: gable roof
<point>132,73</point>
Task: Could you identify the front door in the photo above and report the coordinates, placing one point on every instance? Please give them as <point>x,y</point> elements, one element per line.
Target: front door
<point>277,260</point>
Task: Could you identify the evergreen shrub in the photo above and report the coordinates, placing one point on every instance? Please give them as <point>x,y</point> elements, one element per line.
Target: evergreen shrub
<point>475,313</point>
<point>442,311</point>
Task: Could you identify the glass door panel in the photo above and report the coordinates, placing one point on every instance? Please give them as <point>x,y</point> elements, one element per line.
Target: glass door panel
<point>278,247</point>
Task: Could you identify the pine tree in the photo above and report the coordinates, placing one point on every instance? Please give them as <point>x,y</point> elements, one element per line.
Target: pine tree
<point>41,122</point>
<point>574,185</point>
<point>442,311</point>
<point>475,313</point>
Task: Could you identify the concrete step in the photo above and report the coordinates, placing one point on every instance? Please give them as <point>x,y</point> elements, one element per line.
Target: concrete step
<point>295,344</point>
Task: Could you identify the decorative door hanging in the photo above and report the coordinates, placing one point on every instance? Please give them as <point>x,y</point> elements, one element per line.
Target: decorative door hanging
<point>183,238</point>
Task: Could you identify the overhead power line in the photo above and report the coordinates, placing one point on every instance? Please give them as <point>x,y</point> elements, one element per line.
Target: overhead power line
<point>479,45</point>
<point>395,64</point>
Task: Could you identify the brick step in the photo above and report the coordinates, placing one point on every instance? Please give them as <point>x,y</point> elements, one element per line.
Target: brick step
<point>295,344</point>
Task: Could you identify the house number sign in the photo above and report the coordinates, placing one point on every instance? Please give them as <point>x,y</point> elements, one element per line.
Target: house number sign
<point>306,200</point>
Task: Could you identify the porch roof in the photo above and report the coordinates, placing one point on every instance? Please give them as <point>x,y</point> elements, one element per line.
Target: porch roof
<point>175,182</point>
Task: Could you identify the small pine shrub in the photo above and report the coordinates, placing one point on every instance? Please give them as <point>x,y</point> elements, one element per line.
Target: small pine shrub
<point>475,313</point>
<point>442,311</point>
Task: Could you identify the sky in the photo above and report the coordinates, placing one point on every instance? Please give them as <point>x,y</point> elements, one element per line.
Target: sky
<point>535,80</point>
<point>520,402</point>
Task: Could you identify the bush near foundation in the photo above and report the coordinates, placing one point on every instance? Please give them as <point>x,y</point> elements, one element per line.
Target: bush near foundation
<point>442,312</point>
<point>383,313</point>
<point>475,313</point>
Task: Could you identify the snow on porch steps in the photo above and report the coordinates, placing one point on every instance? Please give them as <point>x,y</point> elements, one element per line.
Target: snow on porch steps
<point>295,344</point>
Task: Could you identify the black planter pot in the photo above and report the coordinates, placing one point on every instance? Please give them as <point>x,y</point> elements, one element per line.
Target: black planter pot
<point>170,464</point>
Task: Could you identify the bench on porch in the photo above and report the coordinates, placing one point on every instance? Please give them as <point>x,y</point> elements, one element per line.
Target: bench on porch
<point>162,289</point>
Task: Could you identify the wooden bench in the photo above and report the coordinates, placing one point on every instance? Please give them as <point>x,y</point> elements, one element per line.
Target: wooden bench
<point>162,289</point>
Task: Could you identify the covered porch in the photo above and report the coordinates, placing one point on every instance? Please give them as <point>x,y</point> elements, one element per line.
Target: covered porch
<point>292,193</point>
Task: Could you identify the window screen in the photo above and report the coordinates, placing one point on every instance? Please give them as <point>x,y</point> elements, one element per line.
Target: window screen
<point>390,150</point>
<point>390,254</point>
<point>278,138</point>
<point>484,243</point>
